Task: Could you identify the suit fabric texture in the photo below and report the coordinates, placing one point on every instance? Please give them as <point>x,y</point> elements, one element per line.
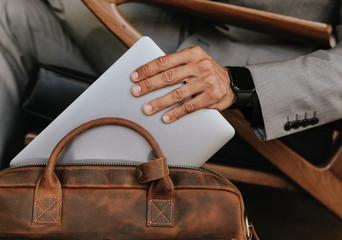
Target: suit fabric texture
<point>293,80</point>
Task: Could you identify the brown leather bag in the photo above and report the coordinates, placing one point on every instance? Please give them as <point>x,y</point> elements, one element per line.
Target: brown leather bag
<point>118,201</point>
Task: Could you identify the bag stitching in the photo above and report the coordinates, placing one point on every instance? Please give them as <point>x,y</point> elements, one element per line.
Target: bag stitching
<point>161,212</point>
<point>149,212</point>
<point>59,201</point>
<point>39,202</point>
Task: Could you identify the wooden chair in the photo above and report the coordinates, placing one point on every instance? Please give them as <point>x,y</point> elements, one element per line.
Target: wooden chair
<point>323,183</point>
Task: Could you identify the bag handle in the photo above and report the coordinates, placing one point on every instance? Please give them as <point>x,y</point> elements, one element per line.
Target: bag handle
<point>48,191</point>
<point>95,123</point>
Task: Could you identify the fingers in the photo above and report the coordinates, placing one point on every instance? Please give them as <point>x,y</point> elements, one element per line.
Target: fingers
<point>159,65</point>
<point>177,95</point>
<point>209,90</point>
<point>207,81</point>
<point>167,62</point>
<point>163,79</point>
<point>187,107</point>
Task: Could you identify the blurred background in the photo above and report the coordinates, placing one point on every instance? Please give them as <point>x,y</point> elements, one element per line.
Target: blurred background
<point>288,214</point>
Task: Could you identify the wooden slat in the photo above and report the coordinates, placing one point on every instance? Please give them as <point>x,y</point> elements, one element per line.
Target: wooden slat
<point>112,18</point>
<point>321,183</point>
<point>336,164</point>
<point>271,23</point>
<point>250,176</point>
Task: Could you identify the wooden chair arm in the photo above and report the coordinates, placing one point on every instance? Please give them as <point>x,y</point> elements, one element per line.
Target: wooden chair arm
<point>324,183</point>
<point>302,30</point>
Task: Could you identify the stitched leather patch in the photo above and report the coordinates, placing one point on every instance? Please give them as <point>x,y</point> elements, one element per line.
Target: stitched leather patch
<point>160,213</point>
<point>47,210</point>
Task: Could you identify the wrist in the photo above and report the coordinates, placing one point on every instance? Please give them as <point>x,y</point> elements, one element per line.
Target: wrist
<point>242,85</point>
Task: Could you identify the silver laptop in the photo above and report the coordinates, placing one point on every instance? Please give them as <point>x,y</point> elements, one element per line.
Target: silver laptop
<point>192,140</point>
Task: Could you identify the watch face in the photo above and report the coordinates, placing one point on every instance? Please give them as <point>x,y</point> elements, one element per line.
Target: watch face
<point>242,79</point>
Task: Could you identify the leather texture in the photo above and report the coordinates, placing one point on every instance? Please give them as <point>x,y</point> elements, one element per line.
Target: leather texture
<point>153,170</point>
<point>107,201</point>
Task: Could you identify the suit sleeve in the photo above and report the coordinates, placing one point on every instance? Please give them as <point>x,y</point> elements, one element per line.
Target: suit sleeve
<point>306,90</point>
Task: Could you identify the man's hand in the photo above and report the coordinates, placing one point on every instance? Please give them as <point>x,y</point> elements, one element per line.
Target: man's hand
<point>206,81</point>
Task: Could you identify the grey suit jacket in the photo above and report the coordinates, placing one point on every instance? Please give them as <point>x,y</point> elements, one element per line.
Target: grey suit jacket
<point>293,81</point>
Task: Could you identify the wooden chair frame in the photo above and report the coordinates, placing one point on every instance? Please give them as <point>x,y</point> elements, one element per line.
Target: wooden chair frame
<point>323,183</point>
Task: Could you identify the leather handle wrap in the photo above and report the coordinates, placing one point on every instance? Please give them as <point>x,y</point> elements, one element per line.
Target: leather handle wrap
<point>95,123</point>
<point>152,170</point>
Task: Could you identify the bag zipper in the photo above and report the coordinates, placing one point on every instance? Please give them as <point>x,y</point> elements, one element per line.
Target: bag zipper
<point>117,164</point>
<point>113,164</point>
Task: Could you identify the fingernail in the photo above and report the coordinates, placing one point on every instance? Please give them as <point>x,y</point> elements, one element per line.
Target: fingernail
<point>147,108</point>
<point>136,89</point>
<point>166,118</point>
<point>134,76</point>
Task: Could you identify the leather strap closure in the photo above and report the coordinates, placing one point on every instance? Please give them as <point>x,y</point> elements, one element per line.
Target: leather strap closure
<point>161,194</point>
<point>152,170</point>
<point>161,203</point>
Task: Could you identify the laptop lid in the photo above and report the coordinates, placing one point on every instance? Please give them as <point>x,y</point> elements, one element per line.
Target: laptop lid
<point>191,140</point>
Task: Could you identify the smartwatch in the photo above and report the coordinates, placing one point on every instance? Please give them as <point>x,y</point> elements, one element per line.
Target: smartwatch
<point>242,84</point>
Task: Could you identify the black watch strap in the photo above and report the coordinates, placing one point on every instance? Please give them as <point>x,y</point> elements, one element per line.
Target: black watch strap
<point>242,84</point>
